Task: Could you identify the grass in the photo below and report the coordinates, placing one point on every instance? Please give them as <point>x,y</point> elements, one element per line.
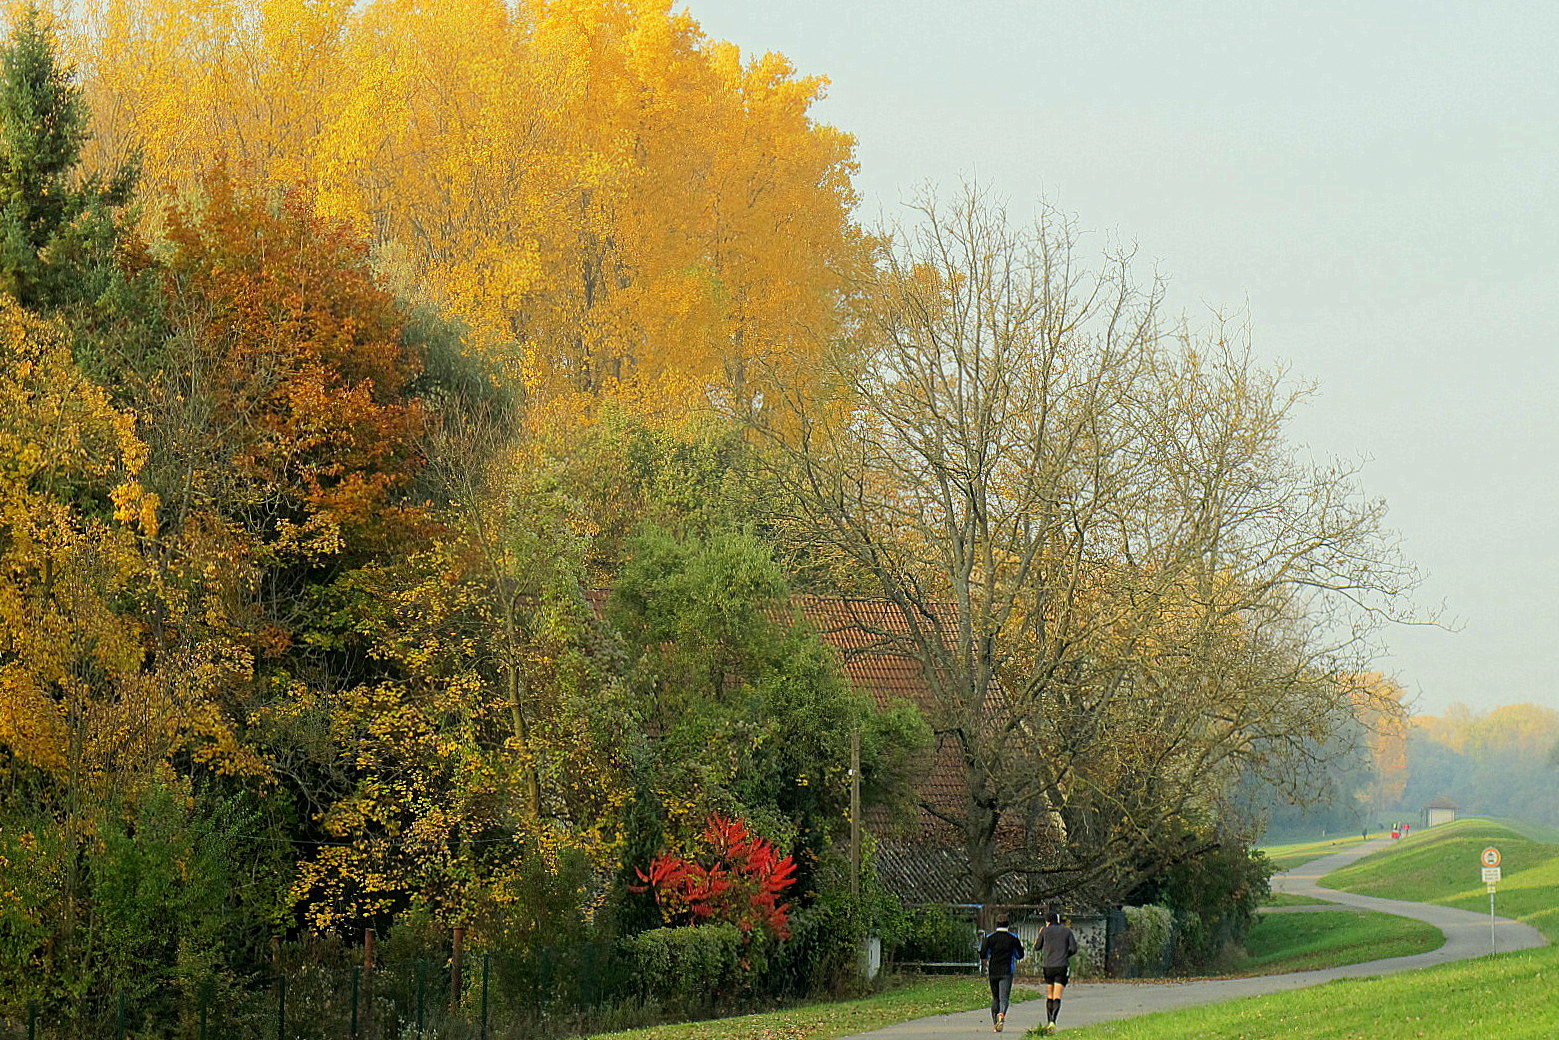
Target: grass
<point>1330,938</point>
<point>1441,866</point>
<point>1536,831</point>
<point>1287,899</point>
<point>918,999</point>
<point>1510,996</point>
<point>1286,857</point>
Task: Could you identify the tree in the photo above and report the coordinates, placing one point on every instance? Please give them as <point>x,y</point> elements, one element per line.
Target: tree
<point>602,194</point>
<point>57,226</point>
<point>279,404</point>
<point>93,723</point>
<point>488,740</point>
<point>1498,763</point>
<point>1384,718</point>
<point>1120,583</point>
<point>739,708</point>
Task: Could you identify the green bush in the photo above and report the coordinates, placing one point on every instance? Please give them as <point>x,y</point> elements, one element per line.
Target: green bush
<point>688,971</point>
<point>1150,930</point>
<point>1214,896</point>
<point>933,934</point>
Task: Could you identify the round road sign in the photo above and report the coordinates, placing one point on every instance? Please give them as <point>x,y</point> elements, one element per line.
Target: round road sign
<point>1491,857</point>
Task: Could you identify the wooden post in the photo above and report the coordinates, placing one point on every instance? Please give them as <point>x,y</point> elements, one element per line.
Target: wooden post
<point>457,946</point>
<point>368,984</point>
<point>855,814</point>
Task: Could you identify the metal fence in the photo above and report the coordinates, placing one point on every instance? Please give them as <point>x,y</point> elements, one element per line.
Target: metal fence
<point>1103,939</point>
<point>545,991</point>
<point>490,995</point>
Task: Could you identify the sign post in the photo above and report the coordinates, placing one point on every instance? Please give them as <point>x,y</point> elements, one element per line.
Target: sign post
<point>1491,872</point>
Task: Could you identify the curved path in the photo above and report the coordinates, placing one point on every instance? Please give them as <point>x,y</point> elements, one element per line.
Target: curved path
<point>1466,935</point>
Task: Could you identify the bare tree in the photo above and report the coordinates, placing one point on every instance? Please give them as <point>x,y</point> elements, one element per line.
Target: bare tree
<point>1121,582</point>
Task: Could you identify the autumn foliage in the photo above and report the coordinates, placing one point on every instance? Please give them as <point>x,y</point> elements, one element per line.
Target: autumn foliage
<point>342,347</point>
<point>602,193</point>
<point>276,325</point>
<point>732,877</point>
<point>399,514</point>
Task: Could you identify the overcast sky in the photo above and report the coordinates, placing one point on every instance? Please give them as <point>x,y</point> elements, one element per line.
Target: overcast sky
<point>1377,183</point>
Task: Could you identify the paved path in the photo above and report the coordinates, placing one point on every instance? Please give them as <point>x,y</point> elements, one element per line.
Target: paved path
<point>1466,935</point>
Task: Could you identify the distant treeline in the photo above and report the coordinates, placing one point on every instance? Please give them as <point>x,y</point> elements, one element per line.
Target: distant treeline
<point>1501,763</point>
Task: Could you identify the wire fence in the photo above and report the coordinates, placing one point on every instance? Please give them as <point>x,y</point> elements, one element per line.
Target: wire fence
<point>547,991</point>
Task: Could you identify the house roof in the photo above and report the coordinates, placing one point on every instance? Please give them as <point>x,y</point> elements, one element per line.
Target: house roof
<point>1441,802</point>
<point>869,636</point>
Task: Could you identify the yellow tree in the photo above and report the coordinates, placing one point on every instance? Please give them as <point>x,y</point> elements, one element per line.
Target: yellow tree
<point>1380,708</point>
<point>491,743</point>
<point>603,194</point>
<point>90,718</point>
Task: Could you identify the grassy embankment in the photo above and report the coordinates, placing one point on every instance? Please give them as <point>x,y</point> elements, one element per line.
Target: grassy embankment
<point>1283,942</point>
<point>1287,857</point>
<point>1330,938</point>
<point>1511,996</point>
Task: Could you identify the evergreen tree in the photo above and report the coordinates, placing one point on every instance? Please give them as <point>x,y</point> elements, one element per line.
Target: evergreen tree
<point>59,229</point>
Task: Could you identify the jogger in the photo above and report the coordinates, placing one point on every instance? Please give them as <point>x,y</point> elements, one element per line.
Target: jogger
<point>1057,944</point>
<point>999,955</point>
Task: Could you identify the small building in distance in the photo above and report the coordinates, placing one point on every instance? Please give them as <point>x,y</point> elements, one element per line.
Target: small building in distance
<point>1441,810</point>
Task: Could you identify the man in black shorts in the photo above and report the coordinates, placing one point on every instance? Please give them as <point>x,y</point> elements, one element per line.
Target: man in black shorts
<point>1057,943</point>
<point>999,956</point>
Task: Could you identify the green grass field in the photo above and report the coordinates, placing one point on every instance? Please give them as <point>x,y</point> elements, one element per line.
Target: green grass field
<point>1441,866</point>
<point>1286,857</point>
<point>936,996</point>
<point>1511,996</point>
<point>1329,938</point>
<point>1285,899</point>
<point>1536,831</point>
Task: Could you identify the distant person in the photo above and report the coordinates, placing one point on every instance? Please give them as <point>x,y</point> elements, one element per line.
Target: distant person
<point>1057,944</point>
<point>999,956</point>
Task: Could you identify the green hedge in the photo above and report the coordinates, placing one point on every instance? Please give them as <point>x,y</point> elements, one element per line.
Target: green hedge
<point>687,971</point>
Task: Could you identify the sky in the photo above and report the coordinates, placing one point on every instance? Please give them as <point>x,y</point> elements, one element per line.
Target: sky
<point>1375,184</point>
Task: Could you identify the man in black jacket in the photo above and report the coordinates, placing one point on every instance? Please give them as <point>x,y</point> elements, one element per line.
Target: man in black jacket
<point>999,956</point>
<point>1057,944</point>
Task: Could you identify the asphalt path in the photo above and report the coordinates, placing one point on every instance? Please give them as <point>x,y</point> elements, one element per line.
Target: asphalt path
<point>1467,934</point>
